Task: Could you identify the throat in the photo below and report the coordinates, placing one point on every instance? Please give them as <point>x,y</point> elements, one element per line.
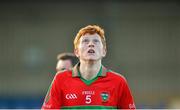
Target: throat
<point>89,72</point>
<point>88,75</point>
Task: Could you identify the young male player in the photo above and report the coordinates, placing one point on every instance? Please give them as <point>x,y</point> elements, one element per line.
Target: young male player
<point>89,84</point>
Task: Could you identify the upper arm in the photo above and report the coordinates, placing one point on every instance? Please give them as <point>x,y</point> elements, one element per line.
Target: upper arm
<point>53,97</point>
<point>126,100</point>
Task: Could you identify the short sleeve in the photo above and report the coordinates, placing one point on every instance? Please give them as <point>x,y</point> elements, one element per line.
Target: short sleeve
<point>53,97</point>
<point>126,100</point>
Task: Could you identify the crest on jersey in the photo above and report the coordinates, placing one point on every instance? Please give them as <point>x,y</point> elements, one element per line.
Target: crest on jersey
<point>104,96</point>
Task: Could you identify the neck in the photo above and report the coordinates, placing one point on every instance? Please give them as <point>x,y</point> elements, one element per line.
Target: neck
<point>89,69</point>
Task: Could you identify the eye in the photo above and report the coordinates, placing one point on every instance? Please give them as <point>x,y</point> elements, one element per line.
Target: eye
<point>96,40</point>
<point>85,40</point>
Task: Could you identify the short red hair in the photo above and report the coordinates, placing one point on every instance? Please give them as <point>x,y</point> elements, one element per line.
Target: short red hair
<point>90,29</point>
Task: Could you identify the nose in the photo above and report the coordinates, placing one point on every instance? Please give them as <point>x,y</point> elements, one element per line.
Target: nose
<point>91,44</point>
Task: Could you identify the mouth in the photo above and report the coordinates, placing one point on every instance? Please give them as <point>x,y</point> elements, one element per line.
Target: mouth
<point>91,51</point>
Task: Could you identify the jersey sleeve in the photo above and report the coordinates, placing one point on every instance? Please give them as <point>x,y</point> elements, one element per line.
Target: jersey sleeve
<point>53,96</point>
<point>126,100</point>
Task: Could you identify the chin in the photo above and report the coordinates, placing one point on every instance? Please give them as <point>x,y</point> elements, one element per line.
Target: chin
<point>92,59</point>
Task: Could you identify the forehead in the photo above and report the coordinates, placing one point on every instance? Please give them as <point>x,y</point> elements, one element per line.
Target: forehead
<point>62,62</point>
<point>90,36</point>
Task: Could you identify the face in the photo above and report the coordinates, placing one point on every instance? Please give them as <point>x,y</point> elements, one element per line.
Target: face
<point>63,64</point>
<point>90,48</point>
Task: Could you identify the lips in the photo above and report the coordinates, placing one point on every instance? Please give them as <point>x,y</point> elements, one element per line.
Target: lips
<point>91,51</point>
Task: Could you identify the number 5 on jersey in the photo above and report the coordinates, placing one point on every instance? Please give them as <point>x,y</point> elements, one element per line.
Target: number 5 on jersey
<point>88,99</point>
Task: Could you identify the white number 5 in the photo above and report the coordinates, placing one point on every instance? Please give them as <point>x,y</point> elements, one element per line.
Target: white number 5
<point>88,99</point>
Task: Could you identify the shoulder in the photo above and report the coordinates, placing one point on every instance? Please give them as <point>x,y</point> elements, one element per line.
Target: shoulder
<point>61,77</point>
<point>63,74</point>
<point>116,76</point>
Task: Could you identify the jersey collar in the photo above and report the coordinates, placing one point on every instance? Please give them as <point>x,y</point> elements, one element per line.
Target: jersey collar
<point>75,71</point>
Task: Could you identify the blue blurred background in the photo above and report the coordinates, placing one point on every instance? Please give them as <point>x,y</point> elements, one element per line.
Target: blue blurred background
<point>142,39</point>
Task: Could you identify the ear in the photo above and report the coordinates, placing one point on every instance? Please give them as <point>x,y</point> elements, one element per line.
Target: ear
<point>76,52</point>
<point>104,52</point>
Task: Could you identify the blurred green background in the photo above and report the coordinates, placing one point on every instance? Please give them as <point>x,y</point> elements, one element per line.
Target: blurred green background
<point>143,41</point>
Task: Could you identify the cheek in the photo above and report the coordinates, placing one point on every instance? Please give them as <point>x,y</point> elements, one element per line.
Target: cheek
<point>79,51</point>
<point>82,48</point>
<point>68,64</point>
<point>100,49</point>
